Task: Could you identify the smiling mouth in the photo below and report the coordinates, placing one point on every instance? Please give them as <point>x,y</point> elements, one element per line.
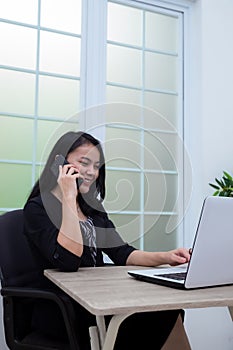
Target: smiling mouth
<point>87,181</point>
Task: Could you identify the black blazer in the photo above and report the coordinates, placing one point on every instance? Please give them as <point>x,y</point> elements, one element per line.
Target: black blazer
<point>42,221</point>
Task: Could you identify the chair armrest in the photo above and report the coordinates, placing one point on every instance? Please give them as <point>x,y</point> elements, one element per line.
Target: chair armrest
<point>29,292</point>
<point>63,301</point>
<point>35,293</point>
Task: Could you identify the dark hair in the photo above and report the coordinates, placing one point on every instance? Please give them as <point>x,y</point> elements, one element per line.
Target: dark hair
<point>66,144</point>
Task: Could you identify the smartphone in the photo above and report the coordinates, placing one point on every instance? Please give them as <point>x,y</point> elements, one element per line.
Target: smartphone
<point>60,160</point>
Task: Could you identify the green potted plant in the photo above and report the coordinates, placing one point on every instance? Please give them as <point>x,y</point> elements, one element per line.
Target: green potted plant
<point>223,186</point>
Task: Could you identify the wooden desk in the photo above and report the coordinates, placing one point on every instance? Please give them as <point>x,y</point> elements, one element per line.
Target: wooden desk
<point>111,291</point>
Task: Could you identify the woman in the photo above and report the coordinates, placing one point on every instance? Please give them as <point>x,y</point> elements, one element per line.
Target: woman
<point>68,228</point>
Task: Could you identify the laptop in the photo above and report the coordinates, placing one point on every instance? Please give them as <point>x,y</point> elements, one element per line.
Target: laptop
<point>212,252</point>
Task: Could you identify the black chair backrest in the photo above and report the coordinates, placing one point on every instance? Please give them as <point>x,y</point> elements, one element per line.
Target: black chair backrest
<point>16,260</point>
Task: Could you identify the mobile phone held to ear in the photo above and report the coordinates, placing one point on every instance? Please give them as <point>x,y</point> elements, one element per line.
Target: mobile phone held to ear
<point>60,160</point>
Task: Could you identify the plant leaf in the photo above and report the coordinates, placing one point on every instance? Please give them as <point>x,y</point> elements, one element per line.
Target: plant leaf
<point>228,175</point>
<point>216,193</point>
<point>220,183</point>
<point>214,186</point>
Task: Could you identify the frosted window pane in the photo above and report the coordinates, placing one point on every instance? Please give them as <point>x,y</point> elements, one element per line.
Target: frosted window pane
<point>123,113</point>
<point>124,65</point>
<point>160,151</point>
<point>154,120</point>
<point>161,72</point>
<point>58,97</point>
<point>124,24</point>
<point>122,148</point>
<point>117,94</point>
<point>155,237</point>
<point>166,105</point>
<point>160,192</point>
<point>15,184</point>
<point>18,46</point>
<point>60,54</point>
<point>21,11</point>
<point>20,144</point>
<point>161,32</point>
<point>124,194</point>
<point>128,226</point>
<point>17,92</point>
<point>48,132</point>
<point>64,15</point>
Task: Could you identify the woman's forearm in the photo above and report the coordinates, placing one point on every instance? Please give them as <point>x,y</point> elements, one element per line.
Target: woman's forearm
<point>173,257</point>
<point>70,236</point>
<point>142,258</point>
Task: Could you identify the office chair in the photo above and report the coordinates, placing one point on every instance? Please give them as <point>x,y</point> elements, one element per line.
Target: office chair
<point>16,262</point>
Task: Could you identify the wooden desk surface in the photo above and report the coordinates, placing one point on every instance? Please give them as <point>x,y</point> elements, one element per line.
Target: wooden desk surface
<point>110,290</point>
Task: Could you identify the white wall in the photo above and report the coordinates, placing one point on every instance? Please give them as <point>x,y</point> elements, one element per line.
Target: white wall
<point>210,140</point>
<point>217,79</point>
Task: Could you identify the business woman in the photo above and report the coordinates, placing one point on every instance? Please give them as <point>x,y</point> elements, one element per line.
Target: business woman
<point>68,228</point>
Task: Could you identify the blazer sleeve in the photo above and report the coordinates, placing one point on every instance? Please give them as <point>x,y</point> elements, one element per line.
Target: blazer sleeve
<point>42,235</point>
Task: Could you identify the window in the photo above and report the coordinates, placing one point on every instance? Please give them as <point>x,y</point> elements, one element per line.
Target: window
<point>40,83</point>
<point>145,95</point>
<point>113,68</point>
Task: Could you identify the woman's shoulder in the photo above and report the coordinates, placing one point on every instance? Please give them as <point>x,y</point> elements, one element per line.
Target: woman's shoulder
<point>101,219</point>
<point>41,199</point>
<point>37,200</point>
<point>40,203</point>
<point>44,209</point>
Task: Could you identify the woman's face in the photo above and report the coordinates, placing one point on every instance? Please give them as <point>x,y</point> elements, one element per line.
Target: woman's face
<point>86,158</point>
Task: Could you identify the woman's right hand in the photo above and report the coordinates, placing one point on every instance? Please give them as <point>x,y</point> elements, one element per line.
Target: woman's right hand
<point>68,174</point>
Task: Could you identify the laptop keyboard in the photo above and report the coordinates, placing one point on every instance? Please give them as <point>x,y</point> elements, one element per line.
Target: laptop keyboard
<point>175,276</point>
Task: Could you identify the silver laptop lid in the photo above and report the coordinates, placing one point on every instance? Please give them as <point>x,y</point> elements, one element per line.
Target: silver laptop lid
<point>212,259</point>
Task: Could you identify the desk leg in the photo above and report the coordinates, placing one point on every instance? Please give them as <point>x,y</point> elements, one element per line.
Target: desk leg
<point>112,330</point>
<point>231,311</point>
<point>102,329</point>
<point>94,338</point>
